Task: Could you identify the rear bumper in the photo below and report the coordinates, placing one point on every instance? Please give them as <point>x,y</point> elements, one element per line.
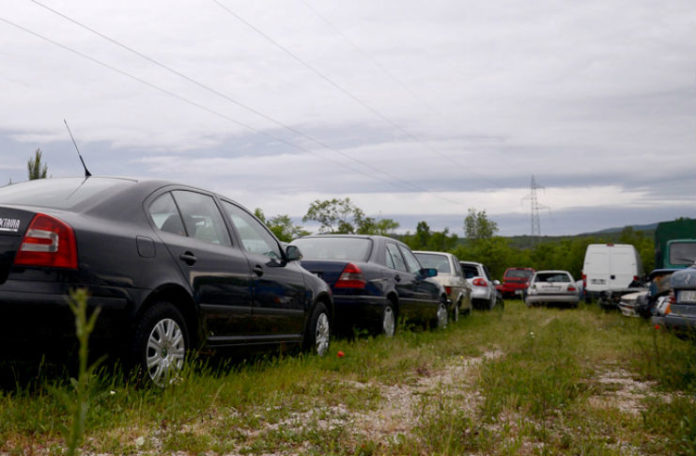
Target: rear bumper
<point>678,323</point>
<point>513,288</point>
<point>359,311</point>
<point>37,321</point>
<point>481,293</point>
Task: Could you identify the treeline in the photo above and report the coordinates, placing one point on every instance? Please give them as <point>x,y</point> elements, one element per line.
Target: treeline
<point>480,243</point>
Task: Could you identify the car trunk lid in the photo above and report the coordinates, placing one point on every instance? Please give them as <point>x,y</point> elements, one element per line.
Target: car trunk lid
<point>328,271</point>
<point>551,287</point>
<point>13,225</point>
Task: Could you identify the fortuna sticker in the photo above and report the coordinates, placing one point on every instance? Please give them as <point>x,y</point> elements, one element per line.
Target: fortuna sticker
<point>7,224</point>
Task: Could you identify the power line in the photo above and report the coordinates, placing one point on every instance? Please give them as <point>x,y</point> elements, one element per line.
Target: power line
<point>174,95</point>
<point>340,88</point>
<point>403,183</point>
<point>370,57</point>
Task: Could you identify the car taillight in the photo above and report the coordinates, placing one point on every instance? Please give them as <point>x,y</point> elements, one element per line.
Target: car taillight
<point>479,282</point>
<point>48,242</point>
<point>584,281</point>
<point>351,277</point>
<point>448,290</point>
<point>571,288</point>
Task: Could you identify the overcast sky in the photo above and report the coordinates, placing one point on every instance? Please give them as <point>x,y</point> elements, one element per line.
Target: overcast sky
<point>415,110</point>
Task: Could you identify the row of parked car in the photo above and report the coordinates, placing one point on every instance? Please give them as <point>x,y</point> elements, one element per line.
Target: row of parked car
<point>174,268</point>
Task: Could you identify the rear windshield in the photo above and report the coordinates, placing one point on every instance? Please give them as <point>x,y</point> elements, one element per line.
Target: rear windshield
<point>334,248</point>
<point>519,273</point>
<point>58,193</point>
<point>469,270</point>
<point>431,260</point>
<point>554,277</point>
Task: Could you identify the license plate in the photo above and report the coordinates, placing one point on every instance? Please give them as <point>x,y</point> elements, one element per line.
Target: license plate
<point>598,281</point>
<point>550,289</point>
<point>687,296</point>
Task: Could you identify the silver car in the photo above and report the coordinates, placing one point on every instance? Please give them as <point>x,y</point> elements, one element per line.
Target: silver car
<point>450,276</point>
<point>552,287</point>
<point>483,292</point>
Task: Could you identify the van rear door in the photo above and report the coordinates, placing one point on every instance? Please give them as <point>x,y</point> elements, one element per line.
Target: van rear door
<point>597,268</point>
<point>624,267</point>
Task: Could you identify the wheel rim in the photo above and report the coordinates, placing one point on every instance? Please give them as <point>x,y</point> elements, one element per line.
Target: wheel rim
<point>321,334</point>
<point>442,316</point>
<point>165,351</point>
<point>388,322</point>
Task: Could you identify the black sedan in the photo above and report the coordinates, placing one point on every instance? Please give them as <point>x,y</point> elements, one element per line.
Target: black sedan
<point>375,280</point>
<point>171,267</point>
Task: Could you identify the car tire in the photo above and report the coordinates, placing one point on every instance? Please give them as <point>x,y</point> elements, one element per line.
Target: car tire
<point>160,343</point>
<point>319,331</point>
<point>388,320</point>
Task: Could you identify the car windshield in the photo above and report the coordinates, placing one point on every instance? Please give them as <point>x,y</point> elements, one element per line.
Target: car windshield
<point>432,260</point>
<point>683,253</point>
<point>519,273</point>
<point>334,248</point>
<point>58,193</point>
<point>553,277</point>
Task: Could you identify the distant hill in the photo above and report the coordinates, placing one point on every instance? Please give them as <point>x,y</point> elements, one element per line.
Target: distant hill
<point>648,227</point>
<point>606,235</point>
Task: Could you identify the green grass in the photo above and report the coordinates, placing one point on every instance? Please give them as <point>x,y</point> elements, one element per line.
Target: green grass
<point>535,388</point>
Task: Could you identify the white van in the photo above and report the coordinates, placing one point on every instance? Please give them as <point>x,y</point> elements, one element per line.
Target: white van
<point>610,267</point>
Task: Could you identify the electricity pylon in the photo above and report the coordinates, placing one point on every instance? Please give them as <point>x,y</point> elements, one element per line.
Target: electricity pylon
<point>535,206</point>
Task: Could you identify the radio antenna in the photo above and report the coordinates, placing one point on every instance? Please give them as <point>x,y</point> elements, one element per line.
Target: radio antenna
<point>87,173</point>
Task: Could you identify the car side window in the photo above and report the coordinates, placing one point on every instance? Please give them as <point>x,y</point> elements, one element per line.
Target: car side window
<point>165,215</point>
<point>202,219</point>
<point>394,258</point>
<point>411,260</point>
<point>254,236</point>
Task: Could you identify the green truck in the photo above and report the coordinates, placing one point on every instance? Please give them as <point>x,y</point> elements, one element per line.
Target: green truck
<point>675,244</point>
<point>675,249</point>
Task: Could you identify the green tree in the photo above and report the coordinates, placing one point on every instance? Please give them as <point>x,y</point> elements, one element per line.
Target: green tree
<point>342,216</point>
<point>425,239</point>
<point>281,226</point>
<point>645,246</point>
<point>477,225</point>
<point>37,169</point>
<point>334,215</point>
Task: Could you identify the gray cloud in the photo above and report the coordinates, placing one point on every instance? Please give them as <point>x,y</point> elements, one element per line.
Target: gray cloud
<point>459,103</point>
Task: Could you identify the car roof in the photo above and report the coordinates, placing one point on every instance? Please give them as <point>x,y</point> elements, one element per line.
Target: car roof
<point>432,252</point>
<point>141,188</point>
<point>473,263</point>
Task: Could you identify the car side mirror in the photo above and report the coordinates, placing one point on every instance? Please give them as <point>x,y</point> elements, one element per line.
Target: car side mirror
<point>292,253</point>
<point>428,272</point>
<point>496,282</point>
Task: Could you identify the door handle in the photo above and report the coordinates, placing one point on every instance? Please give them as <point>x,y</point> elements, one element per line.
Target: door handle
<point>188,258</point>
<point>397,278</point>
<point>258,270</point>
